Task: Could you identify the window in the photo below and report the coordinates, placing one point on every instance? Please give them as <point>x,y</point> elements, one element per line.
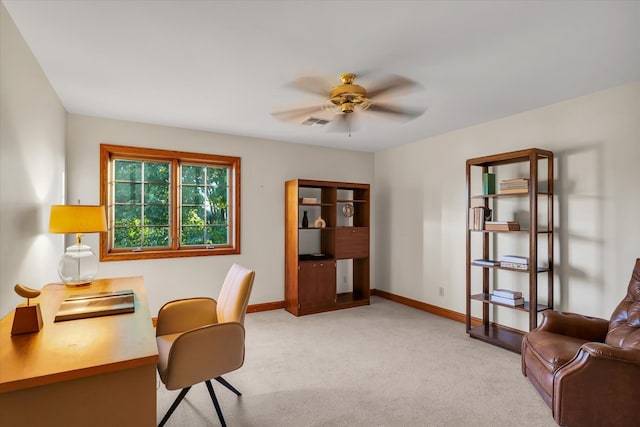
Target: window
<point>163,204</point>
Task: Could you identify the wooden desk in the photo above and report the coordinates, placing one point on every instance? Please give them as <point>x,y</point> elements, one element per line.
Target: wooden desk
<point>99,371</point>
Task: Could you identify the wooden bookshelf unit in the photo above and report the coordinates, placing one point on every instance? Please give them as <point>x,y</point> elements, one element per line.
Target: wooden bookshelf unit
<point>312,253</point>
<point>534,204</point>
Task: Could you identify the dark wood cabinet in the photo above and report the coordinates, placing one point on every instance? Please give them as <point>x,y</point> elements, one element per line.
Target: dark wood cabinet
<point>332,251</point>
<point>316,284</point>
<point>530,204</point>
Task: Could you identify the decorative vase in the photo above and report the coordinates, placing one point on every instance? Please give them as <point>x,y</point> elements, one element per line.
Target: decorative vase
<point>305,220</point>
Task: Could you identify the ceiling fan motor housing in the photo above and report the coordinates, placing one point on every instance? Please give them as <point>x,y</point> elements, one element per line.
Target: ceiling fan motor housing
<point>348,95</point>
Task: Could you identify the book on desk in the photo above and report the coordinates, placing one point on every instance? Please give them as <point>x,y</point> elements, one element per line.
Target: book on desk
<point>82,306</point>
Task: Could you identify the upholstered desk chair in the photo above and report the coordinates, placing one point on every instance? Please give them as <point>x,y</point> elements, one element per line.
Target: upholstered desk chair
<point>200,339</point>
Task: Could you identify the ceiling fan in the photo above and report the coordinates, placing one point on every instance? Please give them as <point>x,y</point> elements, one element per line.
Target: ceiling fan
<point>349,99</point>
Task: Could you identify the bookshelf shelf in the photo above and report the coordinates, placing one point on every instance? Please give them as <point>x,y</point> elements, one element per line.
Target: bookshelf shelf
<point>496,334</point>
<point>526,307</point>
<point>537,204</point>
<point>497,267</point>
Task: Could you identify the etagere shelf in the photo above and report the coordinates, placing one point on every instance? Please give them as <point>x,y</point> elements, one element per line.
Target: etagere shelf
<point>312,253</point>
<point>537,203</point>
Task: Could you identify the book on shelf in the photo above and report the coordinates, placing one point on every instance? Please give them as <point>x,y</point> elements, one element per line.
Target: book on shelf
<point>514,186</point>
<point>477,217</point>
<point>515,258</point>
<point>488,262</point>
<point>507,293</point>
<point>514,190</point>
<point>514,183</point>
<point>507,301</point>
<point>502,225</point>
<point>514,265</point>
<point>488,183</point>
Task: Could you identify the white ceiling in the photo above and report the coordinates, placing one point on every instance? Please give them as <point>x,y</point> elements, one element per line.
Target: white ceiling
<point>224,66</point>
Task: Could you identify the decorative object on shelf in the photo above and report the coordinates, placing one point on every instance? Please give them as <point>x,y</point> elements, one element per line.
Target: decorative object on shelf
<point>319,223</point>
<point>27,318</point>
<point>514,186</point>
<point>313,257</point>
<point>488,183</point>
<point>348,210</point>
<point>309,200</point>
<point>79,264</point>
<point>305,220</point>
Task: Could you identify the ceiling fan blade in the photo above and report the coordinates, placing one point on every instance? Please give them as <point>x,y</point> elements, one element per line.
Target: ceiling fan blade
<point>393,84</point>
<point>317,85</point>
<point>396,112</point>
<point>295,113</point>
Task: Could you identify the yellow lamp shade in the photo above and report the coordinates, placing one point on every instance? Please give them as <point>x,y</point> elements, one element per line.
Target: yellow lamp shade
<point>77,219</point>
<point>79,265</point>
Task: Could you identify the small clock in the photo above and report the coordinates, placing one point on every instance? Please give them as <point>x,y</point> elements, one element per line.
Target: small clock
<point>348,210</point>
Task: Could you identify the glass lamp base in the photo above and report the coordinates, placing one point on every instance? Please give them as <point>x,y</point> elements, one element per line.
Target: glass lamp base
<point>77,284</point>
<point>78,266</point>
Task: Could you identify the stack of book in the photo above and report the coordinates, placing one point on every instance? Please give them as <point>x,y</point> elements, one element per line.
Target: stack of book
<point>507,297</point>
<point>514,186</point>
<point>502,225</point>
<point>514,261</point>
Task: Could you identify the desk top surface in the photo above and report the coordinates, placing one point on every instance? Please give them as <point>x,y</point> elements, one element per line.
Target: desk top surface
<point>77,348</point>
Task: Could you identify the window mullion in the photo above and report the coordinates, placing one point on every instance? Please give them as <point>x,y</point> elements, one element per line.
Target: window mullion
<point>175,204</point>
<point>143,185</point>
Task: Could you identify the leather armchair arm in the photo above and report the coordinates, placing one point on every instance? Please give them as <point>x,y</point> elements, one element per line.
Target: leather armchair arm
<point>596,349</point>
<point>595,388</point>
<point>185,314</point>
<point>574,325</point>
<point>204,353</point>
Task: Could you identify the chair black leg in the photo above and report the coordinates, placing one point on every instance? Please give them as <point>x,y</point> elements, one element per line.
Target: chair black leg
<point>174,405</point>
<point>227,385</point>
<point>215,402</point>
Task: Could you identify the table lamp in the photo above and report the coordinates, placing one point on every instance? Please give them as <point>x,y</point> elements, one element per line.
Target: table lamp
<point>79,265</point>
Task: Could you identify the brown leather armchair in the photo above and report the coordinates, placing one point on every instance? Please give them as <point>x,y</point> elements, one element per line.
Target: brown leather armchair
<point>588,369</point>
<point>200,339</point>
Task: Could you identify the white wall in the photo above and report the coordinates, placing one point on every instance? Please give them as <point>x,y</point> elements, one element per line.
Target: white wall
<point>420,197</point>
<point>32,160</point>
<point>265,166</point>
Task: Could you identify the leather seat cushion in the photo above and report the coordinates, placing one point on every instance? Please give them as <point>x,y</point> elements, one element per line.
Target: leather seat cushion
<point>553,350</point>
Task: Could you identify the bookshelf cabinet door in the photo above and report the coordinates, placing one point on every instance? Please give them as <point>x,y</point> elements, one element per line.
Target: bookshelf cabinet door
<point>352,242</point>
<point>317,284</point>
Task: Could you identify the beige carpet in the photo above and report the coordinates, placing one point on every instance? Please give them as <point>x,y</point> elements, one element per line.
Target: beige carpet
<point>380,365</point>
